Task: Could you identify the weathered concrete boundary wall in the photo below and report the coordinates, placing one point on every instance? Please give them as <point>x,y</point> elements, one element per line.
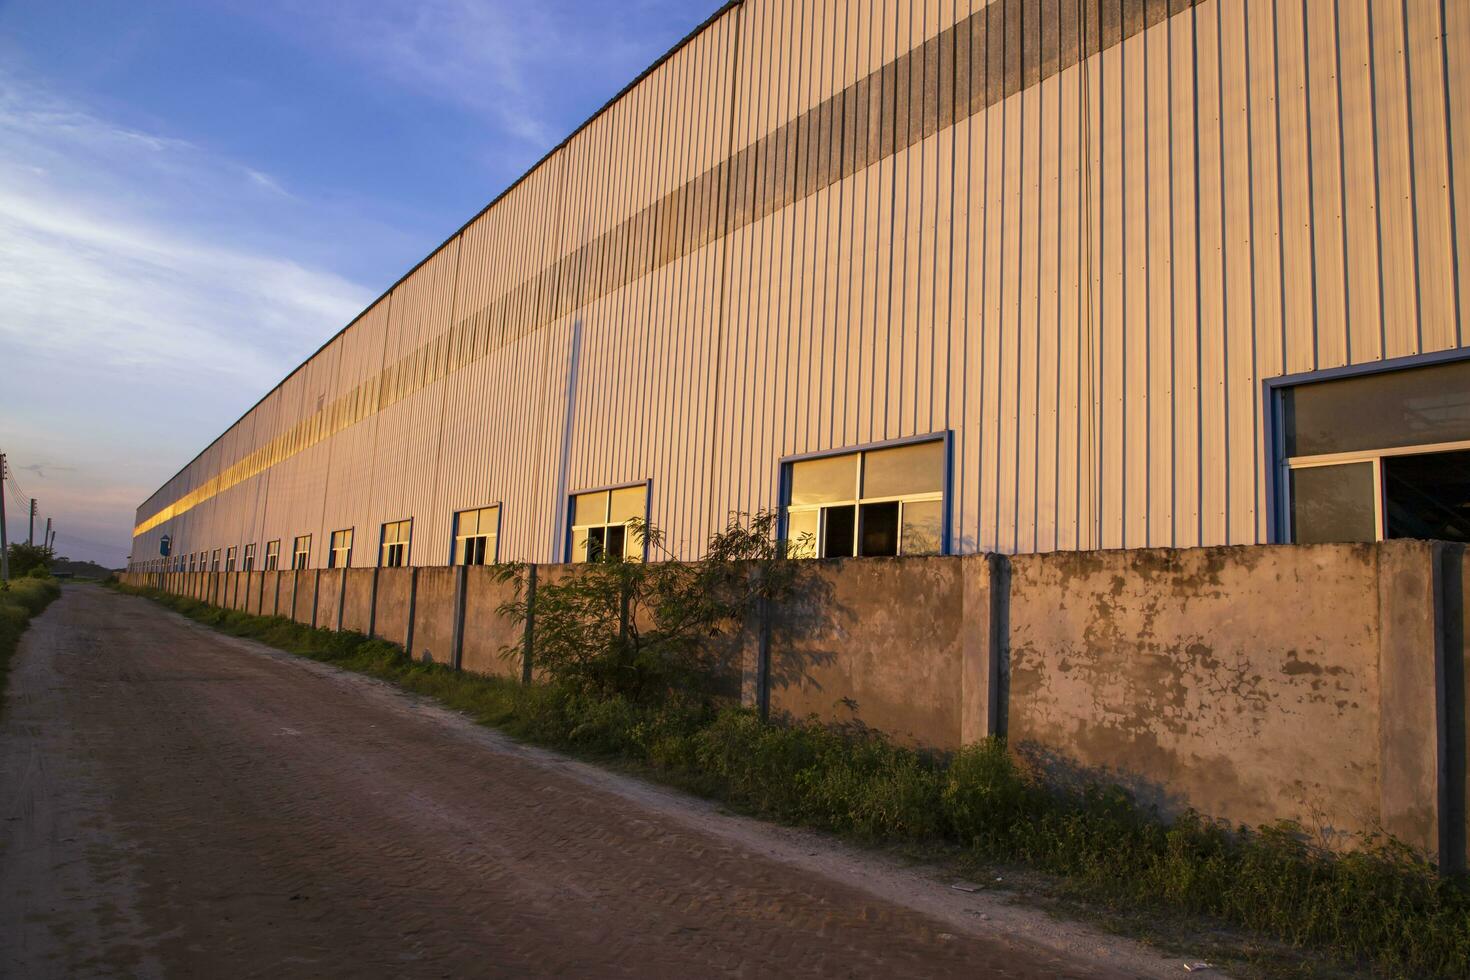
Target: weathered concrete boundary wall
<point>358,596</point>
<point>896,644</point>
<point>485,633</point>
<point>392,605</point>
<point>1321,683</point>
<point>434,615</point>
<point>1244,682</point>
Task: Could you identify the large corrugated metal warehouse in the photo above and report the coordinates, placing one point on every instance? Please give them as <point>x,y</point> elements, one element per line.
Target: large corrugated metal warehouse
<point>928,275</point>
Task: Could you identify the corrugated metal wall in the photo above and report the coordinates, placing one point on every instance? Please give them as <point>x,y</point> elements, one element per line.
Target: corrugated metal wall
<point>1078,235</point>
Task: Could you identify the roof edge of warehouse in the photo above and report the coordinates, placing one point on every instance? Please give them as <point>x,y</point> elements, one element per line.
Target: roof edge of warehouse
<point>683,42</point>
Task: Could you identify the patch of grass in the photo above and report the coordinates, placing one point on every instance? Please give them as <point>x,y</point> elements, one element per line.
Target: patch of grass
<point>1381,905</point>
<point>20,600</point>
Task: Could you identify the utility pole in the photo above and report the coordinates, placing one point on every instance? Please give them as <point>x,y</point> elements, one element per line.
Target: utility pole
<point>4,544</point>
<point>46,538</point>
<point>31,534</point>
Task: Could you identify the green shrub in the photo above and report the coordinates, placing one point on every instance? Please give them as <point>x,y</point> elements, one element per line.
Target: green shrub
<point>646,631</point>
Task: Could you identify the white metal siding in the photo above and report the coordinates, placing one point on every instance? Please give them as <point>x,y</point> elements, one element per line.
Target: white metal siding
<point>1086,280</point>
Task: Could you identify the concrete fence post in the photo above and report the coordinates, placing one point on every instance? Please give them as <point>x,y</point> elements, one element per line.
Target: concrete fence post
<point>372,624</point>
<point>985,591</point>
<point>276,602</point>
<point>764,616</point>
<point>755,651</point>
<point>341,599</point>
<point>456,641</point>
<point>316,595</point>
<point>1415,699</point>
<point>528,641</point>
<point>413,598</point>
<point>1455,834</point>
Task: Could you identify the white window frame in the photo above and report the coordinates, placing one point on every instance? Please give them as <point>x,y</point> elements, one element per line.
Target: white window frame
<point>272,561</point>
<point>491,550</point>
<point>247,562</point>
<point>1376,457</point>
<point>1279,527</point>
<point>300,557</point>
<point>230,555</point>
<point>607,523</point>
<point>333,549</point>
<point>857,501</point>
<point>384,544</point>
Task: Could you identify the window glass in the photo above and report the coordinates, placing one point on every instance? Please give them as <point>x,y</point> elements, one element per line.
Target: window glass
<point>904,470</point>
<point>923,527</point>
<point>467,523</point>
<point>802,527</point>
<point>825,480</point>
<point>878,534</point>
<point>627,504</point>
<point>1391,409</point>
<point>590,508</point>
<point>600,523</point>
<point>1333,503</point>
<point>395,544</point>
<point>475,534</point>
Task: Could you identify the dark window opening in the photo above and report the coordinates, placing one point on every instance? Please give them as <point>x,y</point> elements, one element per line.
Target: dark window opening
<point>879,537</point>
<point>617,536</point>
<point>837,537</point>
<point>1427,496</point>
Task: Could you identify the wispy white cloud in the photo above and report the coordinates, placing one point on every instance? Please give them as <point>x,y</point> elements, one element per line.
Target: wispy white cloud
<point>139,274</point>
<point>508,62</point>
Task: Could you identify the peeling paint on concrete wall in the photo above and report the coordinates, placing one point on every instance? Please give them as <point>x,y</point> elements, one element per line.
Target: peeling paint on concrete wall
<point>1240,681</point>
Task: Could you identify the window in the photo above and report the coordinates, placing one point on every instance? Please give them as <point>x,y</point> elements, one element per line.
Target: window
<point>600,520</point>
<point>395,543</point>
<point>193,559</point>
<point>214,561</point>
<point>230,559</point>
<point>301,552</point>
<point>871,503</point>
<point>1377,455</point>
<point>476,535</point>
<point>249,564</point>
<point>340,555</point>
<point>273,555</point>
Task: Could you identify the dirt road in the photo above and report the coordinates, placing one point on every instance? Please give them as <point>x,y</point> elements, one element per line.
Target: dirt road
<point>178,803</point>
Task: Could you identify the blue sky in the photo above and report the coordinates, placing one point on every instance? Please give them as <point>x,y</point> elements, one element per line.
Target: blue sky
<point>194,195</point>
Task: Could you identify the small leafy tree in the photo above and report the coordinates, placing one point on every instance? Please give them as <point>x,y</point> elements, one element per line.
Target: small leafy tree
<point>25,559</point>
<point>645,630</point>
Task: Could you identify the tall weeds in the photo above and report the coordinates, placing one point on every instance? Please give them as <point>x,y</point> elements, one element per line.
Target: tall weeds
<point>21,599</point>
